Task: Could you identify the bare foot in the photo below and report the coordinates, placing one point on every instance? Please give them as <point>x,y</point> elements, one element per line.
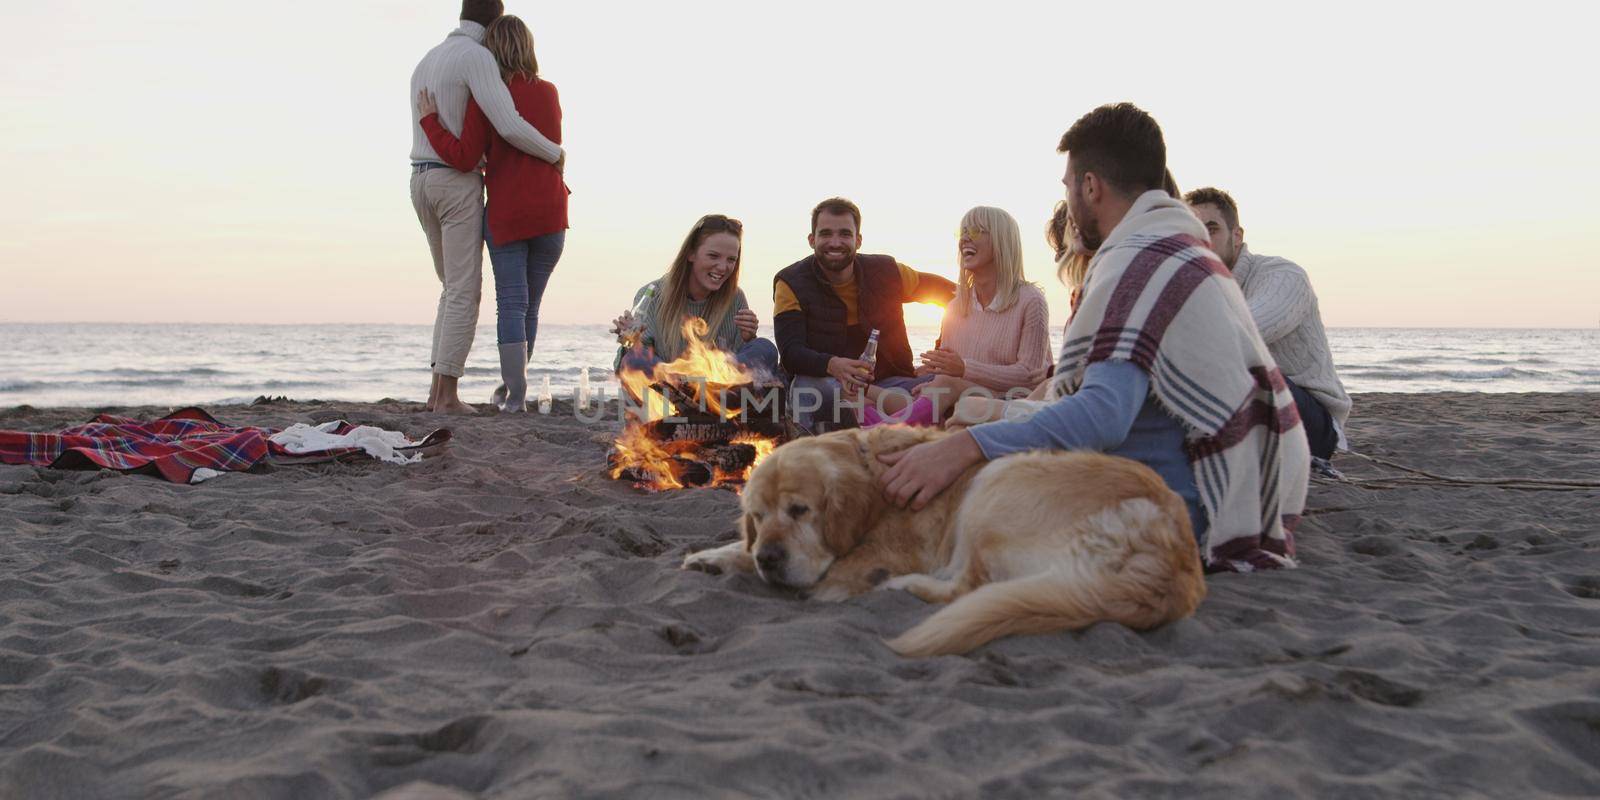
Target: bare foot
<point>454,407</point>
<point>433,394</point>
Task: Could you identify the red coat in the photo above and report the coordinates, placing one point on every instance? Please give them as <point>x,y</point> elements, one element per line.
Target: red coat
<point>527,196</point>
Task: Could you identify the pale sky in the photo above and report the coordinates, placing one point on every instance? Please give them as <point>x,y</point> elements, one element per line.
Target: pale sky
<point>1430,164</point>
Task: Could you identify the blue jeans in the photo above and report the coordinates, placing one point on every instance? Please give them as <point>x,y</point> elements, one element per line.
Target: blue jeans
<point>521,272</point>
<point>806,390</point>
<point>759,356</point>
<point>1317,422</point>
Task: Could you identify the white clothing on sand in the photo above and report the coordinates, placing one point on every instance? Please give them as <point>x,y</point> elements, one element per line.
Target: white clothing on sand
<point>377,442</point>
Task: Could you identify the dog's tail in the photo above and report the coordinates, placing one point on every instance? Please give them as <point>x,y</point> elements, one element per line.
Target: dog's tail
<point>1057,600</point>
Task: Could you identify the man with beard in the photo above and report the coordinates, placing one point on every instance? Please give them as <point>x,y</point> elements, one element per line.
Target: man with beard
<point>1162,364</point>
<point>825,307</point>
<point>1285,310</point>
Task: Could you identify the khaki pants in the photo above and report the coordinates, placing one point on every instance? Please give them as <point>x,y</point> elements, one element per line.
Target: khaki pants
<point>449,205</point>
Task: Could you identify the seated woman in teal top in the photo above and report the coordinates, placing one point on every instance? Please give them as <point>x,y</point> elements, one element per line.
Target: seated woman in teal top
<point>702,282</point>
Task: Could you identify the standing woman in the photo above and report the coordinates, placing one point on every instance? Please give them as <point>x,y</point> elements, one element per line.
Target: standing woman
<point>526,220</point>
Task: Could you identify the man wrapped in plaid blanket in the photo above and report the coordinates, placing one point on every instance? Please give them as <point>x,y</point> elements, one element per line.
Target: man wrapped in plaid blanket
<point>1162,363</point>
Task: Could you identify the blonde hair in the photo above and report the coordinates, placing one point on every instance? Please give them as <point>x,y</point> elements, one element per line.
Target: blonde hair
<point>1006,239</point>
<point>511,43</point>
<point>673,306</point>
<point>1072,267</point>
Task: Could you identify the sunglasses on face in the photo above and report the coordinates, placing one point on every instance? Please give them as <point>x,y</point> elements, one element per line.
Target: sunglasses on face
<point>969,233</point>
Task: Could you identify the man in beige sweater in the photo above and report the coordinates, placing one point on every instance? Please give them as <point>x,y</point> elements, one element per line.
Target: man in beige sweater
<point>1285,311</point>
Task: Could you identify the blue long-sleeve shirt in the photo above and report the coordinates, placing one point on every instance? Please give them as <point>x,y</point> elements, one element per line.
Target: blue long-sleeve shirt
<point>1112,412</point>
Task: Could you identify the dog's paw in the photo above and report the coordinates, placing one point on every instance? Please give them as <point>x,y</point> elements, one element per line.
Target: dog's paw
<point>707,567</point>
<point>902,582</point>
<point>711,562</point>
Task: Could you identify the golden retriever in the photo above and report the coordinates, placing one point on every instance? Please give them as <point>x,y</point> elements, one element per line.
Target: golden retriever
<point>1030,543</point>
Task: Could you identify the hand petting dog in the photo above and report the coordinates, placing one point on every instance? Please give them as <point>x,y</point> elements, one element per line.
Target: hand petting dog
<point>919,474</point>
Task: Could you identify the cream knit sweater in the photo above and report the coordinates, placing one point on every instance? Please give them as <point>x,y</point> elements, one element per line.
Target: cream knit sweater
<point>1285,310</point>
<point>1003,350</point>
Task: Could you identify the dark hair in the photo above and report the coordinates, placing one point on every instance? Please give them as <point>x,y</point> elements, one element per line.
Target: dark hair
<point>1121,144</point>
<point>836,205</point>
<point>1212,196</point>
<point>1169,184</point>
<point>482,12</point>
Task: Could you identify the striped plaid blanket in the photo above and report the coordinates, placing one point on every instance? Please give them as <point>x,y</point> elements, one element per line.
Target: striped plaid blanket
<point>1158,297</point>
<point>173,447</point>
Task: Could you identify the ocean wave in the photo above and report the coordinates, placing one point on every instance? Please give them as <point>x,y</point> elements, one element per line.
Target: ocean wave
<point>1471,361</point>
<point>135,383</point>
<point>1503,373</point>
<point>134,372</point>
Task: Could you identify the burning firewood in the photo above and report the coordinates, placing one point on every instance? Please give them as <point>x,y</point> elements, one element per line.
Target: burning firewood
<point>683,471</point>
<point>651,461</point>
<point>732,457</point>
<point>702,420</point>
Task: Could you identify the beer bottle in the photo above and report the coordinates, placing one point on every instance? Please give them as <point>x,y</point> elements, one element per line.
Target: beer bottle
<point>640,317</point>
<point>870,355</point>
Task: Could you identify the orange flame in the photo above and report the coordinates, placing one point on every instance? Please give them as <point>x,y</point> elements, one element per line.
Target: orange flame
<point>702,372</point>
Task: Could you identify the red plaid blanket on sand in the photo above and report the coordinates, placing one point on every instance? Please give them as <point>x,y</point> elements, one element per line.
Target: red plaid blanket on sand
<point>173,447</point>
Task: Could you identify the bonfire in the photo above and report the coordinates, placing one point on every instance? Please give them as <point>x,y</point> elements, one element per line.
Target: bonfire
<point>702,420</point>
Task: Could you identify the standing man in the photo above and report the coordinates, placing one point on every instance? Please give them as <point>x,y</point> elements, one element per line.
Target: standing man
<point>449,204</point>
<point>1161,364</point>
<point>826,305</point>
<point>1285,310</point>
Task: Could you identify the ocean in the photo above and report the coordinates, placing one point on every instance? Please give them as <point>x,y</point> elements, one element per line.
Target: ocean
<point>96,365</point>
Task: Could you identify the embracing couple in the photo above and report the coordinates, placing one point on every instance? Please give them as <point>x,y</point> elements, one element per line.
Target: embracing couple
<point>479,100</point>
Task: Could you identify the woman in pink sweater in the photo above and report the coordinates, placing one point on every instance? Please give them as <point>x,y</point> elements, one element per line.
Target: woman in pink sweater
<point>996,332</point>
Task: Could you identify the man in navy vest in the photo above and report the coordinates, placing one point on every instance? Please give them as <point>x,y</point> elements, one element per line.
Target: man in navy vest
<point>825,307</point>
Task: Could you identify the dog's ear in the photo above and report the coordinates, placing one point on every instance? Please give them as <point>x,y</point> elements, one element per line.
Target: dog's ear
<point>851,499</point>
<point>845,509</point>
<point>749,527</point>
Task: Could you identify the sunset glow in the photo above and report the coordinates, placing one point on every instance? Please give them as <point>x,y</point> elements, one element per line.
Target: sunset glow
<point>146,152</point>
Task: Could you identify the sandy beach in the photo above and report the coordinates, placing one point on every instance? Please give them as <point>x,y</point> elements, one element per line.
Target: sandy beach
<point>504,621</point>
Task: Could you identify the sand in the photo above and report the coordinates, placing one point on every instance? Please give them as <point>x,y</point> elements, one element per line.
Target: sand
<point>504,621</point>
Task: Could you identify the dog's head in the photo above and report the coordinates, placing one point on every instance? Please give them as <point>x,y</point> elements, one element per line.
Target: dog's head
<point>807,504</point>
<point>814,500</point>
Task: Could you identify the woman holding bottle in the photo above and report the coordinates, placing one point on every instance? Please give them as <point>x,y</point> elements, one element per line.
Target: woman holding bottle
<point>703,284</point>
